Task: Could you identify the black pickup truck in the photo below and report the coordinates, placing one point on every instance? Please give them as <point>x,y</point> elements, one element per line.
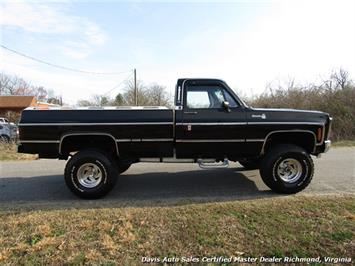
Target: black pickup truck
<point>209,125</point>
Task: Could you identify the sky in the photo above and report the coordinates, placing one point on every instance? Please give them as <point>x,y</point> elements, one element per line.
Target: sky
<point>249,44</point>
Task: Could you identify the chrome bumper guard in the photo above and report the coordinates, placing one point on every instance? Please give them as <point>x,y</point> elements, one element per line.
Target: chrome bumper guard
<point>327,145</point>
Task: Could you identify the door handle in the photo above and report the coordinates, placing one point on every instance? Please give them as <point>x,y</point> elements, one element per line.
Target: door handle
<point>262,116</point>
<point>191,113</point>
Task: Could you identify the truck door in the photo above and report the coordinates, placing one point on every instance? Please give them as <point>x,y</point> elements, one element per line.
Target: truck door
<point>207,127</point>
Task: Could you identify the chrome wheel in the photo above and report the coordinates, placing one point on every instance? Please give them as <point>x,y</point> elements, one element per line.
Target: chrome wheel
<point>289,170</point>
<point>89,175</point>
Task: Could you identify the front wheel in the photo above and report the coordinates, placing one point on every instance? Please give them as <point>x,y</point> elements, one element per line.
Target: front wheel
<point>287,169</point>
<point>90,174</point>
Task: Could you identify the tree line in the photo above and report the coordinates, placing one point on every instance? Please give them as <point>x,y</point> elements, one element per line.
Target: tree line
<point>334,95</point>
<point>148,95</point>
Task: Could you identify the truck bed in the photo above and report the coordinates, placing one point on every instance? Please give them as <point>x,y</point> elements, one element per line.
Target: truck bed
<point>128,125</point>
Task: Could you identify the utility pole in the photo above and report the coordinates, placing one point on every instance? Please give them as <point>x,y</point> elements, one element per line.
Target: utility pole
<point>135,87</point>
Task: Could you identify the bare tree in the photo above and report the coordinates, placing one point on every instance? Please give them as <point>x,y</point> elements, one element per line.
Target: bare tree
<point>84,103</point>
<point>157,95</point>
<point>14,85</point>
<point>129,93</point>
<point>5,82</point>
<point>20,87</point>
<point>96,100</point>
<point>341,78</point>
<point>152,95</point>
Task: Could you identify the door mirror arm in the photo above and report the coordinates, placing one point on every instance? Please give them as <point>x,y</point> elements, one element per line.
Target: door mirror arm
<point>226,107</point>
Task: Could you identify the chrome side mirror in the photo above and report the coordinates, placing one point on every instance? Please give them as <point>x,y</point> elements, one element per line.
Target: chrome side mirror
<point>225,105</point>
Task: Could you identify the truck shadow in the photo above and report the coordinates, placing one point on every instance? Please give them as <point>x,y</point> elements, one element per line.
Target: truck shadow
<point>209,184</point>
<point>146,189</point>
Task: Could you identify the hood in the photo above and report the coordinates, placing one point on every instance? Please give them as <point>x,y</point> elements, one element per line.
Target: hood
<point>286,115</point>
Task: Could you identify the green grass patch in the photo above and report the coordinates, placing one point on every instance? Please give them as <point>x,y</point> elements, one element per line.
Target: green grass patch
<point>283,226</point>
<point>341,235</point>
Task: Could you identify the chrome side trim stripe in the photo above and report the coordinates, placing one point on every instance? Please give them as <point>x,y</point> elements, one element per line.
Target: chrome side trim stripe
<point>143,140</point>
<point>171,123</point>
<point>210,140</point>
<point>157,139</point>
<point>213,124</point>
<point>118,140</point>
<point>154,140</point>
<point>247,123</point>
<point>220,140</point>
<point>39,141</point>
<point>285,123</point>
<point>96,124</point>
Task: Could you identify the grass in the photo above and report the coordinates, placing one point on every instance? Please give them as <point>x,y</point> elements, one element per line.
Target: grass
<point>344,143</point>
<point>293,226</point>
<point>8,151</point>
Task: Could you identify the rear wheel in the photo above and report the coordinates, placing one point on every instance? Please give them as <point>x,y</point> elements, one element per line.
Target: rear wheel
<point>287,169</point>
<point>90,174</point>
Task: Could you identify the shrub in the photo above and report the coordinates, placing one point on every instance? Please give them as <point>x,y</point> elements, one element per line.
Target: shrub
<point>334,97</point>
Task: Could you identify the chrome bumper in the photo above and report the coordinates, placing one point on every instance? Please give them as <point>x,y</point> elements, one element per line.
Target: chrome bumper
<point>327,145</point>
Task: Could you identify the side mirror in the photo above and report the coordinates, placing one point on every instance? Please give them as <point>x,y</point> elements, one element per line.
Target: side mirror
<point>225,105</point>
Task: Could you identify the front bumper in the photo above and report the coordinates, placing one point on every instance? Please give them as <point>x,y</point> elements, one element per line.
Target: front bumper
<point>327,145</point>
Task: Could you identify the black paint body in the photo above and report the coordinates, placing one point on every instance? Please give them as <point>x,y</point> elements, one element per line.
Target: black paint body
<point>237,132</point>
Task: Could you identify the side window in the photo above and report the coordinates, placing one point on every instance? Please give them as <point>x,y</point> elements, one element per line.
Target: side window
<point>208,96</point>
<point>230,99</point>
<point>218,96</point>
<point>198,99</point>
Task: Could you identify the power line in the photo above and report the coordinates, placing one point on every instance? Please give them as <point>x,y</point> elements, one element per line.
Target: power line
<point>119,84</point>
<point>62,67</point>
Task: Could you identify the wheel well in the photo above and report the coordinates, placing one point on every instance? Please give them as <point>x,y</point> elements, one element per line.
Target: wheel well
<point>306,140</point>
<point>76,142</point>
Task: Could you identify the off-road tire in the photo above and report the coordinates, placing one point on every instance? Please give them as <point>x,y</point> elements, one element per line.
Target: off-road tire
<point>270,173</point>
<point>101,161</point>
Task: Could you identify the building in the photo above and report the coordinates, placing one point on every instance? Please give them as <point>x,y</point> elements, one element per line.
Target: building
<point>11,106</point>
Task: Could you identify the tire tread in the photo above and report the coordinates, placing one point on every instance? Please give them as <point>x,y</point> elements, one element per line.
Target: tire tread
<point>272,155</point>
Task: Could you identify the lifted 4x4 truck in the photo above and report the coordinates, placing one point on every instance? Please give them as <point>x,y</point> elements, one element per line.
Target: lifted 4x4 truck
<point>209,125</point>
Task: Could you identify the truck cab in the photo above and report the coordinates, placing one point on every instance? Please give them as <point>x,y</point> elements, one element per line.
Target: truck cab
<point>210,120</point>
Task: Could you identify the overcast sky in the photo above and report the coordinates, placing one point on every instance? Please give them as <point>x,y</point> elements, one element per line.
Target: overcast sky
<point>247,43</point>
